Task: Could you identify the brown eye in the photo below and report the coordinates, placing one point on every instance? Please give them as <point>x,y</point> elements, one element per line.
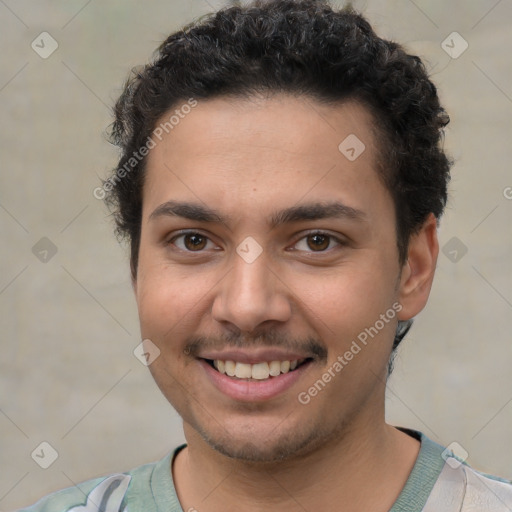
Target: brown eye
<point>194,242</point>
<point>318,242</point>
<point>191,242</point>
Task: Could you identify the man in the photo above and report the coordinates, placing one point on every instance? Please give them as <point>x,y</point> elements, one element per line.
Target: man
<point>280,184</point>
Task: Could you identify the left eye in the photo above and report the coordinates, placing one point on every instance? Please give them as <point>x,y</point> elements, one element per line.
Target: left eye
<point>318,242</point>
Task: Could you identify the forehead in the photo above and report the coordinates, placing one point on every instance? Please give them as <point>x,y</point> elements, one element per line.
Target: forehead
<point>236,153</point>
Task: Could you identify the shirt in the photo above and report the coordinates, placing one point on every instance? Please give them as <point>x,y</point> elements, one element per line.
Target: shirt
<point>439,482</point>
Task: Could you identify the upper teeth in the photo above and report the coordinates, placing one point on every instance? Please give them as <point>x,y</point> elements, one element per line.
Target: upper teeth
<point>259,371</point>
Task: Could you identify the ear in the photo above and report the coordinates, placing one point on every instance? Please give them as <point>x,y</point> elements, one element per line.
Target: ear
<point>418,271</point>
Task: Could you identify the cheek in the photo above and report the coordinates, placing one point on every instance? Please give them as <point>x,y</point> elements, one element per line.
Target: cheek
<point>161,299</point>
<point>350,296</point>
<point>170,300</point>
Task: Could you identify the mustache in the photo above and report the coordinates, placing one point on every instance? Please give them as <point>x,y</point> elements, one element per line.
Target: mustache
<point>308,345</point>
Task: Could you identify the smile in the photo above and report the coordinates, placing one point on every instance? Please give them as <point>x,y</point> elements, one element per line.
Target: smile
<point>254,381</point>
<point>258,371</point>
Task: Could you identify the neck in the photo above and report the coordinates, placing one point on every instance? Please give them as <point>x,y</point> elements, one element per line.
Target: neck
<point>335,473</point>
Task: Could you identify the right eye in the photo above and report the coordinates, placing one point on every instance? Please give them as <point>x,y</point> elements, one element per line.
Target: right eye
<point>190,241</point>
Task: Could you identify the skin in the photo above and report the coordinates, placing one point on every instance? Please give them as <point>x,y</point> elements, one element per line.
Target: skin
<point>247,159</point>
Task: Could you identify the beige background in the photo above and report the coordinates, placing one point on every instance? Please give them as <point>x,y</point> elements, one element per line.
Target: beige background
<point>68,326</point>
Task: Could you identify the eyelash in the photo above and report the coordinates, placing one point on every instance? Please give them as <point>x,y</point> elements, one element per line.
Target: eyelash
<point>184,233</point>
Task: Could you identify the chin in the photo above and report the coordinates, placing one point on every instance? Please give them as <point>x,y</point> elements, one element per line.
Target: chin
<point>265,447</point>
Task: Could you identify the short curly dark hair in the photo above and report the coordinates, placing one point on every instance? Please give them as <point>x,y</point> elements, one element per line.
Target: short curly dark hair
<point>300,47</point>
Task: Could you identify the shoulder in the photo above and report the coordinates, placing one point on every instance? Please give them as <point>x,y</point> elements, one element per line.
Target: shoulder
<point>108,493</point>
<point>443,482</point>
<point>486,492</point>
<point>460,487</point>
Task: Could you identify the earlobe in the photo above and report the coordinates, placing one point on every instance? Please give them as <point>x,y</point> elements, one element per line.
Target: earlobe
<point>418,271</point>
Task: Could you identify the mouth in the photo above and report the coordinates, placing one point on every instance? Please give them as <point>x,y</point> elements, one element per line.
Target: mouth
<point>255,379</point>
<point>260,371</point>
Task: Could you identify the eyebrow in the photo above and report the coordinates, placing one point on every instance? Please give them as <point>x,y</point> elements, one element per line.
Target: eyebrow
<point>304,212</point>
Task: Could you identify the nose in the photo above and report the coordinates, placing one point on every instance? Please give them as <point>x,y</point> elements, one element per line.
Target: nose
<point>251,294</point>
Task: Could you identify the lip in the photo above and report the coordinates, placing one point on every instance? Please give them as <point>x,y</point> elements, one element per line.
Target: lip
<point>252,390</point>
<point>256,356</point>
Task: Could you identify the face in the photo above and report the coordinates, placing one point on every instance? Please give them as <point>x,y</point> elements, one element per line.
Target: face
<point>267,256</point>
